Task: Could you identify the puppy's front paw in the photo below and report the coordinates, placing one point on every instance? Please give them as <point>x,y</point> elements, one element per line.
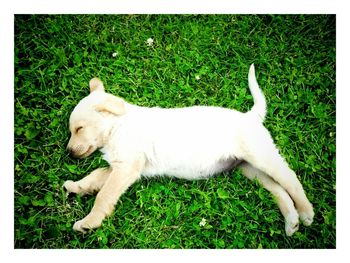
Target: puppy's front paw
<point>80,226</point>
<point>87,223</point>
<point>71,187</point>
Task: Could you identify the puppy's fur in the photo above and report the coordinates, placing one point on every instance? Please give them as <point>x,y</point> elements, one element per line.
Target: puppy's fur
<point>192,143</point>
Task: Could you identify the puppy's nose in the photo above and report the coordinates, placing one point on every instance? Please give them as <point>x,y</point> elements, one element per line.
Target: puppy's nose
<point>70,151</point>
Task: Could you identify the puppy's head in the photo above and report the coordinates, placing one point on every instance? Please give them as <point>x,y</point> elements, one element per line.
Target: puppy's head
<point>92,119</point>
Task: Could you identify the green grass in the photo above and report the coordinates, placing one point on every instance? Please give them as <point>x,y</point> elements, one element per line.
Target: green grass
<point>56,56</point>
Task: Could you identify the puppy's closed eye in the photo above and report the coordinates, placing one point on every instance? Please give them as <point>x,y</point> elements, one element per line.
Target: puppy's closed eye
<point>78,129</point>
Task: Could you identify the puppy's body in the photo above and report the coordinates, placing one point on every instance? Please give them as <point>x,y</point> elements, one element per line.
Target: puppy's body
<point>187,143</point>
<point>192,143</point>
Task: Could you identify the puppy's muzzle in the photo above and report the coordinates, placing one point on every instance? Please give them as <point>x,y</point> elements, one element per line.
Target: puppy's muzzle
<point>80,151</point>
<point>71,151</point>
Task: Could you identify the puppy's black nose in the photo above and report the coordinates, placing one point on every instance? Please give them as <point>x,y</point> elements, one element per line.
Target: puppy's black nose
<point>70,151</point>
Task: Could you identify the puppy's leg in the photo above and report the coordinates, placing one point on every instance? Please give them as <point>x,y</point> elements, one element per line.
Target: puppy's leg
<point>261,152</point>
<point>121,177</point>
<point>283,200</point>
<point>89,184</point>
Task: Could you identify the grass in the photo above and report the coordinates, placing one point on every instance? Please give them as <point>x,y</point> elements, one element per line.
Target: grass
<point>56,56</point>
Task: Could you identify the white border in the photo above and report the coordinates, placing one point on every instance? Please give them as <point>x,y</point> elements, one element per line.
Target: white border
<point>9,8</point>
<point>7,130</point>
<point>172,6</point>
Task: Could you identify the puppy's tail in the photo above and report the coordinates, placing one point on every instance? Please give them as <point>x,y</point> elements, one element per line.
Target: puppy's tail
<point>259,107</point>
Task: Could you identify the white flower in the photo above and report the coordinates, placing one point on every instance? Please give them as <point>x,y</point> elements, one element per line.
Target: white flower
<point>197,77</point>
<point>115,54</point>
<point>202,222</point>
<point>149,42</point>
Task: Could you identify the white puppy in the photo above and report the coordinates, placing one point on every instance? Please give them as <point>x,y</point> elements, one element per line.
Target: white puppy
<point>192,143</point>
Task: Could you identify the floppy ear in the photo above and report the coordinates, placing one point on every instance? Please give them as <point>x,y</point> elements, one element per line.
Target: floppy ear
<point>112,105</point>
<point>96,84</point>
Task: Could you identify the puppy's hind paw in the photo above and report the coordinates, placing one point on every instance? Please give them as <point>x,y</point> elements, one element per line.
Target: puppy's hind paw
<point>292,225</point>
<point>306,218</point>
<point>291,229</point>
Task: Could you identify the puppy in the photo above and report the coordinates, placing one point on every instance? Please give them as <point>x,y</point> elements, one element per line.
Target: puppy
<point>191,143</point>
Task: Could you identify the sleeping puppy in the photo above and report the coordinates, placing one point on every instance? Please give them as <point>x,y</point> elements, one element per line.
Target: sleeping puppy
<point>191,143</point>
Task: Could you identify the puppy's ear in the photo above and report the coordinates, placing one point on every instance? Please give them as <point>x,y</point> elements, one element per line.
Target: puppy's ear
<point>113,105</point>
<point>96,84</point>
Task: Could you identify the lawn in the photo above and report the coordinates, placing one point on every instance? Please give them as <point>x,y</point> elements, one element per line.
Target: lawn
<point>194,60</point>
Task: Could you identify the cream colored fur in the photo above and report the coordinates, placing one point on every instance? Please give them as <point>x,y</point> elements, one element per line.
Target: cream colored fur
<point>191,143</point>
